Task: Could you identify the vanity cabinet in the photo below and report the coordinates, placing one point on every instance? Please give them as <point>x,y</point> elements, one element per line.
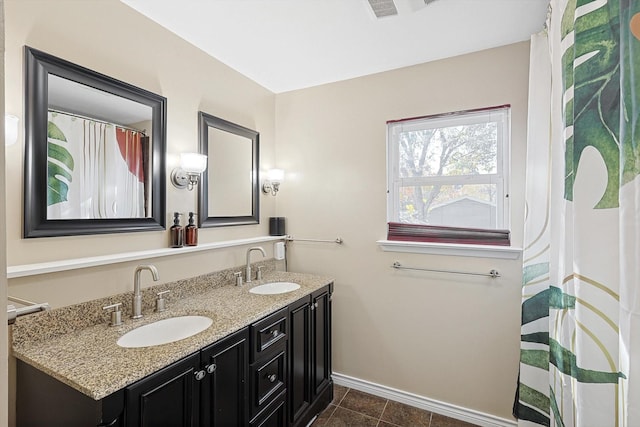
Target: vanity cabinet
<point>276,372</point>
<point>310,384</point>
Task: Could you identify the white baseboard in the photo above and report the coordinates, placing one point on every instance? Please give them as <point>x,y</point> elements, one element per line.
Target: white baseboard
<point>442,408</point>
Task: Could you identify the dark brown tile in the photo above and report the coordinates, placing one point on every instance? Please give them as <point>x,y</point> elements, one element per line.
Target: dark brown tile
<point>346,418</point>
<point>364,403</point>
<point>438,420</point>
<point>405,416</point>
<point>324,416</point>
<point>338,393</point>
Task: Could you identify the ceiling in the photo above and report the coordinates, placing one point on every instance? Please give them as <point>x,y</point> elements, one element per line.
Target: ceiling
<point>285,45</point>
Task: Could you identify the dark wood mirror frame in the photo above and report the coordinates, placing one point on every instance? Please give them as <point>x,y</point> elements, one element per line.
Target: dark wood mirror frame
<point>206,121</point>
<point>38,66</point>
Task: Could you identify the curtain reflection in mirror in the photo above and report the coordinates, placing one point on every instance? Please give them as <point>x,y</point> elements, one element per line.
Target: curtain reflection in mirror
<point>95,169</point>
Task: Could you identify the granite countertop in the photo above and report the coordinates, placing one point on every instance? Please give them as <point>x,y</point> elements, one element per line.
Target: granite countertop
<point>76,345</point>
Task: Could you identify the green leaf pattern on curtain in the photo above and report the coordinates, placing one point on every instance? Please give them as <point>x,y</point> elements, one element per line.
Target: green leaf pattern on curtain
<point>592,68</point>
<point>630,46</point>
<point>59,165</point>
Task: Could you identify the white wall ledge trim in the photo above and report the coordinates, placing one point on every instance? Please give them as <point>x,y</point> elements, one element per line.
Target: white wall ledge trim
<point>77,263</point>
<point>452,249</point>
<point>417,401</point>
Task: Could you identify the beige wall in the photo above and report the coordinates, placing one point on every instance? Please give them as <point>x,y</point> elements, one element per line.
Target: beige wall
<point>446,337</point>
<point>109,37</point>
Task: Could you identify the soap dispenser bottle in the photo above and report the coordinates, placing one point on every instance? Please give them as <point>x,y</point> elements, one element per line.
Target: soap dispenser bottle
<point>177,232</point>
<point>191,232</point>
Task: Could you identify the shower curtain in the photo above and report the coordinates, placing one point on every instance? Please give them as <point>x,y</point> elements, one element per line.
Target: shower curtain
<point>96,170</point>
<point>580,342</point>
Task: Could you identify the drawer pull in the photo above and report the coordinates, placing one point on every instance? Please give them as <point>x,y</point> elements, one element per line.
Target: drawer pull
<point>272,378</point>
<point>211,368</point>
<point>275,333</point>
<point>199,375</point>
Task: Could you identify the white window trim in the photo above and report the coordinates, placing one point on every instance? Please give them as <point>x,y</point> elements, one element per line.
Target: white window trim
<point>394,182</point>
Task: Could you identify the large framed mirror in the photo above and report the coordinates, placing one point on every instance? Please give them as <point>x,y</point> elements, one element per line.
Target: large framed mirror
<point>94,152</point>
<point>229,191</point>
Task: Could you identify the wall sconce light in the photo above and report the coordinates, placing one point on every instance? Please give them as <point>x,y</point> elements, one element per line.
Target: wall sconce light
<point>10,129</point>
<point>272,183</point>
<point>188,173</point>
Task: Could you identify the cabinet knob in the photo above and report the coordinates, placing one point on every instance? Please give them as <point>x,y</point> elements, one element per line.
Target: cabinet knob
<point>211,368</point>
<point>275,333</point>
<point>199,375</point>
<point>272,378</point>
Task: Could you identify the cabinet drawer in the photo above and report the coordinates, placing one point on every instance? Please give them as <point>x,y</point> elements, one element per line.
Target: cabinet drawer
<point>268,333</point>
<point>269,379</point>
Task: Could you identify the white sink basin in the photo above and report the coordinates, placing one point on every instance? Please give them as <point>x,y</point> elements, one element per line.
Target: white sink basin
<point>164,331</point>
<point>274,288</point>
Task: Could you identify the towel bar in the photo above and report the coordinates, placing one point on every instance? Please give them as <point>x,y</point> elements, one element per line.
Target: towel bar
<point>338,240</point>
<point>493,273</point>
<point>31,307</point>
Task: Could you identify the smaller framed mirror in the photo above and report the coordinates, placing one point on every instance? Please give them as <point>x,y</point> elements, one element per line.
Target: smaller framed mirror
<point>228,194</point>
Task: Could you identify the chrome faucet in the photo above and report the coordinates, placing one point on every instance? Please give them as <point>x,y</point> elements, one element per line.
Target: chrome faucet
<point>137,295</point>
<point>248,269</point>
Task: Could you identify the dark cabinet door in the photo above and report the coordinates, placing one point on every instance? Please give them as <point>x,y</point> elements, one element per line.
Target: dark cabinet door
<point>167,398</point>
<point>300,357</point>
<point>224,390</point>
<point>310,384</point>
<point>320,341</point>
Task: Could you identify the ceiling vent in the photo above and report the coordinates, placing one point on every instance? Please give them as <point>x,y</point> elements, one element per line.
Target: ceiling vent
<point>383,7</point>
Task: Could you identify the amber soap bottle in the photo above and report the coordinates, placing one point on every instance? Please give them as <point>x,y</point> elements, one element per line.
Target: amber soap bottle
<point>191,232</point>
<point>177,232</point>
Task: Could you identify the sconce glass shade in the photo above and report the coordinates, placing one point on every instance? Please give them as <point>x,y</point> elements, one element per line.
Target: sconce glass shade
<point>193,163</point>
<point>10,129</point>
<point>187,174</point>
<point>275,175</point>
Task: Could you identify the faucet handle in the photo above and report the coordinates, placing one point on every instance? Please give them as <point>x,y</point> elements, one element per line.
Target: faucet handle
<point>259,272</point>
<point>116,314</point>
<point>160,301</point>
<point>238,275</point>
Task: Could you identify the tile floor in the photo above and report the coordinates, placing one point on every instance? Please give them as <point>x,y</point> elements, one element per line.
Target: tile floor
<point>354,408</point>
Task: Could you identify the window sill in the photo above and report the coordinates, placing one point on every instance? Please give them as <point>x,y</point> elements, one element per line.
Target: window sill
<point>451,249</point>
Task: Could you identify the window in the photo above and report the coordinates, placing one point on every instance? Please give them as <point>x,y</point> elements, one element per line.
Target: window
<point>450,170</point>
